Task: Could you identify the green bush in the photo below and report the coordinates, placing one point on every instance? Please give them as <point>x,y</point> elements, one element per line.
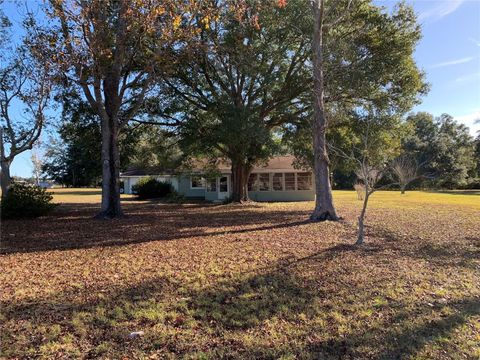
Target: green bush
<point>150,188</point>
<point>26,201</point>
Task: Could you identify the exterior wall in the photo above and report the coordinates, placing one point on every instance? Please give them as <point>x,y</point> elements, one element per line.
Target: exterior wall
<point>211,196</point>
<point>289,195</point>
<point>129,181</point>
<point>182,184</point>
<point>185,190</point>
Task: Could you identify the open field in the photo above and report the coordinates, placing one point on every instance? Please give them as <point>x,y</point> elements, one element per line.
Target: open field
<point>254,281</point>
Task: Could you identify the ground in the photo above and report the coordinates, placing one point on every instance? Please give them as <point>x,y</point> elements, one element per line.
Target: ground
<point>254,281</point>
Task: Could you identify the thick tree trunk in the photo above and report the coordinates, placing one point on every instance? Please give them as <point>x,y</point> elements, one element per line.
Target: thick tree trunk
<point>324,208</point>
<point>402,189</point>
<point>5,177</point>
<point>111,207</point>
<point>240,174</point>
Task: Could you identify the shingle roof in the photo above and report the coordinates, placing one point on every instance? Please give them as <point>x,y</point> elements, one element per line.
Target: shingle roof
<point>284,163</point>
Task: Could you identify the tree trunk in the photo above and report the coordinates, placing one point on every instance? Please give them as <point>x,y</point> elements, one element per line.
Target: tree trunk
<point>240,174</point>
<point>402,189</point>
<point>5,177</point>
<point>5,167</point>
<point>361,219</point>
<point>324,208</point>
<point>111,207</point>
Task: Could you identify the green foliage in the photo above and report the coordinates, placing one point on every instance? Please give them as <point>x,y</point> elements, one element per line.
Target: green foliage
<point>244,83</point>
<point>443,147</point>
<point>150,188</point>
<point>75,158</point>
<point>25,201</point>
<point>174,197</point>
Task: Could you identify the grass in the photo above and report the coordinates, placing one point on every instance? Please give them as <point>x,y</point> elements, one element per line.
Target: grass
<point>253,281</point>
<point>80,195</point>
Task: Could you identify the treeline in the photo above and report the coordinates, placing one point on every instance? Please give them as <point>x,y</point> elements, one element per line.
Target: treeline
<point>155,83</point>
<point>444,153</point>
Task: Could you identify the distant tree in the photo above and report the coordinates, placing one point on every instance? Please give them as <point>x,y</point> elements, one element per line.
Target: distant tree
<point>37,162</point>
<point>406,170</point>
<point>444,146</point>
<point>74,158</point>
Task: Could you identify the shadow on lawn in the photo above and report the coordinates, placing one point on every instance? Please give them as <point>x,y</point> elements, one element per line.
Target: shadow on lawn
<point>157,307</point>
<point>170,311</point>
<point>399,340</point>
<point>72,226</point>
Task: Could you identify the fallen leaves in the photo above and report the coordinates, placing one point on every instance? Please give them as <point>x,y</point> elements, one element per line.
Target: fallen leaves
<point>252,281</point>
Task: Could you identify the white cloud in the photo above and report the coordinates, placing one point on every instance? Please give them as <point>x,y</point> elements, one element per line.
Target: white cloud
<point>467,78</point>
<point>475,41</point>
<point>440,10</point>
<point>471,120</point>
<point>452,62</point>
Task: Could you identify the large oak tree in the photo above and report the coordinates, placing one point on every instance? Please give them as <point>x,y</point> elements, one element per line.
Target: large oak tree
<point>243,82</point>
<point>114,51</point>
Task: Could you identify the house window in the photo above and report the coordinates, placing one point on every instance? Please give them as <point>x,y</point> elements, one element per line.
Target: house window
<point>212,185</point>
<point>289,181</point>
<point>277,183</point>
<point>253,182</point>
<point>304,181</point>
<point>264,182</point>
<point>223,184</point>
<point>197,182</point>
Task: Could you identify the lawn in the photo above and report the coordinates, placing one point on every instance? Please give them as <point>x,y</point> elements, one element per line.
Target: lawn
<point>256,281</point>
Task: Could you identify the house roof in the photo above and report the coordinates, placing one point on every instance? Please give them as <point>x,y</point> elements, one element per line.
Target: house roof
<point>280,163</point>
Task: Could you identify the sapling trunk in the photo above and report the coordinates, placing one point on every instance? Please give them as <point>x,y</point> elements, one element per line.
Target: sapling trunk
<point>361,218</point>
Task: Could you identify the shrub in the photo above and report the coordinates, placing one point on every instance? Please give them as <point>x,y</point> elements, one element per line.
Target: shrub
<point>26,201</point>
<point>175,198</point>
<point>149,188</point>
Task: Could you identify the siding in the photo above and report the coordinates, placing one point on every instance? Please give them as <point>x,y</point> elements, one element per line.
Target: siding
<point>184,188</point>
<point>299,195</point>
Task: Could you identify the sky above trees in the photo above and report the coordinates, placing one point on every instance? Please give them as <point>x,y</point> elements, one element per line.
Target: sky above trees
<point>449,53</point>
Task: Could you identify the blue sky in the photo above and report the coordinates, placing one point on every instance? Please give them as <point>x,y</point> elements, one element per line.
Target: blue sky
<point>449,53</point>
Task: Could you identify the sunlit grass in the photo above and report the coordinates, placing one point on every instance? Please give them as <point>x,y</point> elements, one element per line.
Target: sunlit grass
<point>79,195</point>
<point>254,281</point>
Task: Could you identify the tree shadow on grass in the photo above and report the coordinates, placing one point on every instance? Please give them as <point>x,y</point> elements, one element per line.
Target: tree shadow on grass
<point>73,228</point>
<point>399,339</point>
<point>158,308</point>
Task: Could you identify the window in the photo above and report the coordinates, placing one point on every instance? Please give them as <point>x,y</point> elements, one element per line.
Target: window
<point>197,182</point>
<point>223,187</point>
<point>263,182</point>
<point>253,182</point>
<point>277,182</point>
<point>212,185</point>
<point>289,181</point>
<point>304,181</point>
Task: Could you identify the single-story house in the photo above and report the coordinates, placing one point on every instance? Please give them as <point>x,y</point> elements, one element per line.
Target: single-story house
<point>278,180</point>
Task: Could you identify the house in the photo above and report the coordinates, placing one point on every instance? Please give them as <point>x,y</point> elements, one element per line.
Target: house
<point>278,180</point>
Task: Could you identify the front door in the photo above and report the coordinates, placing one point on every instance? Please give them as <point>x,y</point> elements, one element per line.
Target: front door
<point>223,187</point>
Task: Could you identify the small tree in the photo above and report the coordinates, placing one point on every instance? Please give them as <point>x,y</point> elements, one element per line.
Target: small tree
<point>370,176</point>
<point>406,170</point>
<point>25,83</point>
<point>375,144</point>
